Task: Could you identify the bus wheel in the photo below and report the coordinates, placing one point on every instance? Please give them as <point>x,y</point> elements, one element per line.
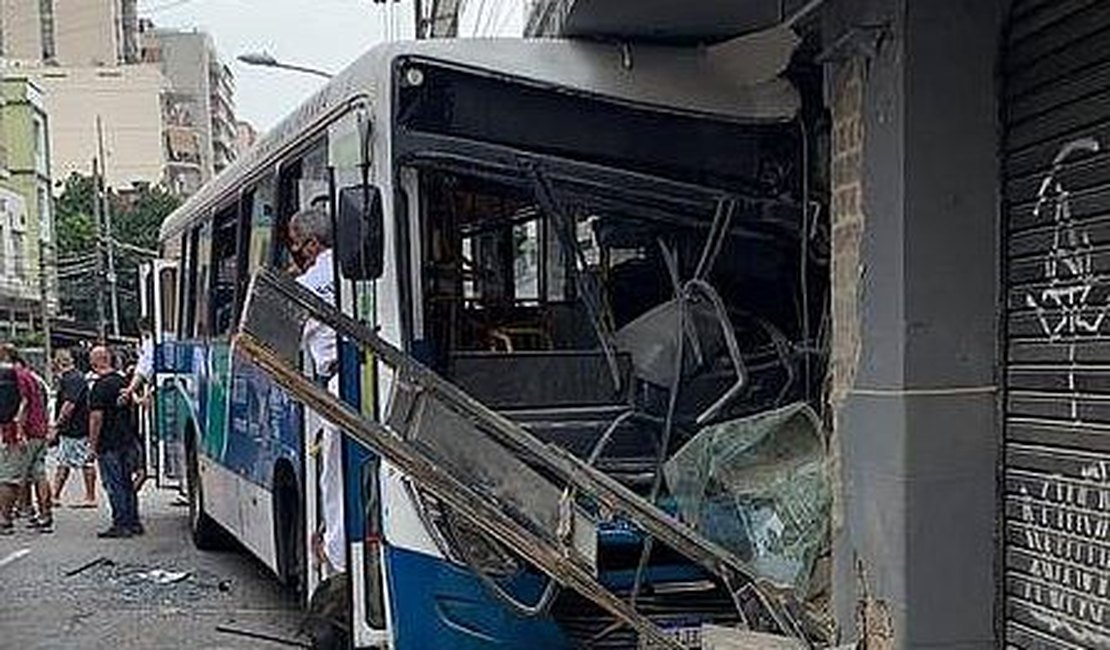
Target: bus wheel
<point>207,534</point>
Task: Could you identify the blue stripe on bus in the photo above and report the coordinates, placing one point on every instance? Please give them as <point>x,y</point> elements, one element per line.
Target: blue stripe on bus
<point>356,455</point>
<point>436,605</point>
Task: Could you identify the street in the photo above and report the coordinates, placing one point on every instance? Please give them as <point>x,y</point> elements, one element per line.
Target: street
<point>137,596</point>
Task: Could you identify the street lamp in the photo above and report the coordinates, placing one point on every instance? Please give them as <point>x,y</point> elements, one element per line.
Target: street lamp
<point>267,60</point>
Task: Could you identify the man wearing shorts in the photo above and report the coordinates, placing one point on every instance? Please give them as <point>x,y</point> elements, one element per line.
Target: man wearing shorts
<point>72,426</point>
<point>23,444</point>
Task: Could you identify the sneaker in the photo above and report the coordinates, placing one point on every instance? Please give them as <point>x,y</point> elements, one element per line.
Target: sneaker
<point>114,533</point>
<point>42,525</point>
<point>7,528</point>
<point>137,530</point>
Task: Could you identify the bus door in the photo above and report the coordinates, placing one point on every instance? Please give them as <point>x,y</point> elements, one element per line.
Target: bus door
<point>160,415</point>
<point>349,163</point>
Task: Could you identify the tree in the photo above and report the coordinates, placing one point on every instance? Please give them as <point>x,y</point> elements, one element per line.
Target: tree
<point>136,217</point>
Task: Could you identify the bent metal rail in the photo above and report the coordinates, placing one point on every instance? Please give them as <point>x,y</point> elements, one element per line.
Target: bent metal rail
<point>269,334</point>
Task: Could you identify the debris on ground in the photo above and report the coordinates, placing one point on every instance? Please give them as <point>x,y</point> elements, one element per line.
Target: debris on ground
<point>139,583</point>
<point>262,636</point>
<point>87,565</point>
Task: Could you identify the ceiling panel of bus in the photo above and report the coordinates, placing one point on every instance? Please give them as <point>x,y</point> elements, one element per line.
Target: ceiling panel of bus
<point>674,22</point>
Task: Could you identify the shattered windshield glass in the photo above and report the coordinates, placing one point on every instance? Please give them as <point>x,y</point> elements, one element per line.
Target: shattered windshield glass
<point>758,487</point>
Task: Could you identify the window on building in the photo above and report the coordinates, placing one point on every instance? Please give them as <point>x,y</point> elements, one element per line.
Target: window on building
<point>19,255</point>
<point>46,219</point>
<point>46,24</point>
<point>4,250</point>
<point>40,145</point>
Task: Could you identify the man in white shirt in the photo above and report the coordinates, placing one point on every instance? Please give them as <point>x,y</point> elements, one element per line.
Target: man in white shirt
<point>310,242</point>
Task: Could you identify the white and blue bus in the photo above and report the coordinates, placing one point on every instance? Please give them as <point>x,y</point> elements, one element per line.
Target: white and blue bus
<point>468,144</point>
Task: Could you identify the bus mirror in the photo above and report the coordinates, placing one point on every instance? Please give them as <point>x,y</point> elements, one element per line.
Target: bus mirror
<point>359,239</point>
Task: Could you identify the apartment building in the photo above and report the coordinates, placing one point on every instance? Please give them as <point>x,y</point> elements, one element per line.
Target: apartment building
<point>198,110</point>
<point>69,32</point>
<point>127,100</point>
<point>26,220</point>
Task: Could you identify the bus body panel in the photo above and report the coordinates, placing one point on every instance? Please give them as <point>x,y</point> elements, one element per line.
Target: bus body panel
<point>438,604</point>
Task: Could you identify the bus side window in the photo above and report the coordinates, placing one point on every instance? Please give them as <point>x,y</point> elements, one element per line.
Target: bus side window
<point>260,225</point>
<point>224,270</point>
<point>302,183</point>
<point>189,286</point>
<point>167,279</point>
<point>203,284</point>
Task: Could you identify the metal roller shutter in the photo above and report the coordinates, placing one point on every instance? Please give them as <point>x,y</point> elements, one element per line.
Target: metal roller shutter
<point>1056,211</point>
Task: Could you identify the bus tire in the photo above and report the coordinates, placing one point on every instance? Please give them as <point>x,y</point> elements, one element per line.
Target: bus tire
<point>289,536</point>
<point>207,534</point>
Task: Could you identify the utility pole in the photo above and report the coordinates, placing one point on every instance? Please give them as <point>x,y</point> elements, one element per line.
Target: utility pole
<point>100,320</point>
<point>106,211</point>
<point>44,292</point>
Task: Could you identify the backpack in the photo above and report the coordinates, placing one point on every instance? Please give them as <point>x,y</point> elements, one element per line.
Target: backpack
<point>9,394</point>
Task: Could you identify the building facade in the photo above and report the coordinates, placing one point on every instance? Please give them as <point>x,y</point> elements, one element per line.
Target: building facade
<point>127,101</point>
<point>69,32</point>
<point>197,109</point>
<point>27,283</point>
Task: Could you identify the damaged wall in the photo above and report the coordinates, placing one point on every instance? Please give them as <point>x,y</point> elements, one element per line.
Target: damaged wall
<point>915,327</point>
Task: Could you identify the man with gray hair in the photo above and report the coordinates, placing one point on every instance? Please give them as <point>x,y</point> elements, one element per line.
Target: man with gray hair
<point>310,242</point>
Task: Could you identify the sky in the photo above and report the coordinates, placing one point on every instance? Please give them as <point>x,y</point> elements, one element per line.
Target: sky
<point>323,34</point>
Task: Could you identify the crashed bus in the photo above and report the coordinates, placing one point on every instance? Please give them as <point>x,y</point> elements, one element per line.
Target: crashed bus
<point>610,258</point>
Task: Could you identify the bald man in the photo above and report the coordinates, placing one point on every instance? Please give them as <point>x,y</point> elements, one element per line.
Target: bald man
<point>111,439</point>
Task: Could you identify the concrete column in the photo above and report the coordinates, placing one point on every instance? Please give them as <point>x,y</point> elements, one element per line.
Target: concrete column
<point>916,282</point>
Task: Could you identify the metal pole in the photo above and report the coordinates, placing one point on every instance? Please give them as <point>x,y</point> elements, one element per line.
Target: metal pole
<point>107,212</point>
<point>44,292</point>
<point>100,320</point>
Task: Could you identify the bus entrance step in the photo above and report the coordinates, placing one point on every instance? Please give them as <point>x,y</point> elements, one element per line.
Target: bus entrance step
<point>535,498</point>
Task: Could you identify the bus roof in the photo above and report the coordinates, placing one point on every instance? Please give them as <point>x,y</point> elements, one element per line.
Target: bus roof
<point>735,81</point>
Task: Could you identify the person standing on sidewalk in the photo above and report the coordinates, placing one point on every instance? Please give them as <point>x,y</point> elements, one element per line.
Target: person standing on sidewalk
<point>111,440</point>
<point>72,426</point>
<point>25,442</point>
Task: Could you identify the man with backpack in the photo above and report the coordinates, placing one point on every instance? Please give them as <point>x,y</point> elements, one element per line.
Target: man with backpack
<point>24,436</point>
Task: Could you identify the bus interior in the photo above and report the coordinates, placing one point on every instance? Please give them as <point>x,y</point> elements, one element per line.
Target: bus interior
<point>617,316</point>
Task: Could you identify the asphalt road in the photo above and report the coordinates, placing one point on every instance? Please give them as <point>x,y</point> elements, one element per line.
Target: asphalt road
<point>138,597</point>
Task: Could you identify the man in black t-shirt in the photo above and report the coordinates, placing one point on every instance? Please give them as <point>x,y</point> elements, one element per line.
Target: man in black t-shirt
<point>71,427</point>
<point>112,440</point>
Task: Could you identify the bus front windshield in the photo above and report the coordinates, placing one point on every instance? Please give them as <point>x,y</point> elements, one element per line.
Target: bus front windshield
<point>547,293</point>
